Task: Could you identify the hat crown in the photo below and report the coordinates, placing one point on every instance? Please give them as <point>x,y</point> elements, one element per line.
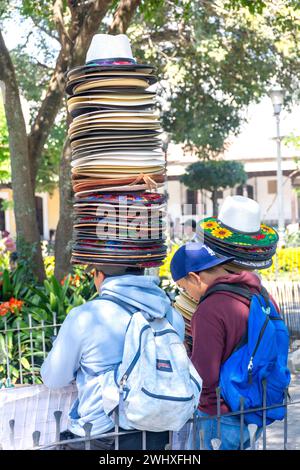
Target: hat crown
<point>108,46</point>
<point>240,213</point>
<point>194,257</point>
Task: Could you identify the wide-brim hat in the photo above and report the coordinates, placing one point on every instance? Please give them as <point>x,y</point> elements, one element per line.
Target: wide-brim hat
<point>214,229</point>
<point>109,55</point>
<point>239,224</point>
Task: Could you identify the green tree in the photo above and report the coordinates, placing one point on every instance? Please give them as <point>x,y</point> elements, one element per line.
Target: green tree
<point>214,176</point>
<point>224,56</point>
<point>47,175</point>
<point>71,25</point>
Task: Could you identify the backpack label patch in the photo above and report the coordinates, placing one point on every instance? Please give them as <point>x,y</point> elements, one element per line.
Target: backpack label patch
<point>164,365</point>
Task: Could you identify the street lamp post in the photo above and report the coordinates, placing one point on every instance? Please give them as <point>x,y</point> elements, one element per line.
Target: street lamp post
<point>277,97</point>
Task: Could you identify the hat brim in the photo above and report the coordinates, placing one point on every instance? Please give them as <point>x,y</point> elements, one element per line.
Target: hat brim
<point>101,68</point>
<point>252,265</point>
<point>239,253</point>
<point>215,230</point>
<point>214,263</point>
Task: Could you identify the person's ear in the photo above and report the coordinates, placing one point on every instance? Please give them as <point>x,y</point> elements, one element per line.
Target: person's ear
<point>194,278</point>
<point>99,277</point>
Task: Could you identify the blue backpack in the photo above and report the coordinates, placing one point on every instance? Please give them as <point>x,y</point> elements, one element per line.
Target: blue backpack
<point>261,354</point>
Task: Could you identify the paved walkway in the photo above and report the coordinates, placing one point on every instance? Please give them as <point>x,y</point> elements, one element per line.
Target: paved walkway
<point>275,430</point>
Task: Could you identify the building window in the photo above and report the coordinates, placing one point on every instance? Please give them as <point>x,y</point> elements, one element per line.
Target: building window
<point>240,191</point>
<point>192,200</point>
<point>2,216</point>
<point>272,187</point>
<point>250,191</point>
<point>245,191</point>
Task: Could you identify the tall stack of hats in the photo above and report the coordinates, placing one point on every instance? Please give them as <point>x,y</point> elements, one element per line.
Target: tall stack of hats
<point>238,232</point>
<point>117,161</point>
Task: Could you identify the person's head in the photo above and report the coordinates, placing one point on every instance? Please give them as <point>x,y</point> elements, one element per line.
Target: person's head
<point>103,271</point>
<point>194,267</point>
<point>189,227</point>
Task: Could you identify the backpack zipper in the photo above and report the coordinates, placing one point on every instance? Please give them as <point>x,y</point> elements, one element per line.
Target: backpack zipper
<point>166,397</point>
<point>250,365</point>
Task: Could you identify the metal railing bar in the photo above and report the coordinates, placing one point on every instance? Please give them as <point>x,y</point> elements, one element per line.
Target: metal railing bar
<point>218,393</point>
<point>285,425</point>
<point>250,410</point>
<point>19,351</point>
<point>31,348</point>
<point>242,421</point>
<point>7,350</point>
<point>83,439</point>
<point>264,383</point>
<point>33,327</point>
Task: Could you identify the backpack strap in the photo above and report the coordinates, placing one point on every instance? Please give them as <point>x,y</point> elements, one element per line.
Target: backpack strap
<point>265,295</point>
<point>234,288</point>
<point>243,292</point>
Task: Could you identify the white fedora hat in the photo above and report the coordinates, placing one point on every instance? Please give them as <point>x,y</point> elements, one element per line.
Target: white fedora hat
<point>239,224</point>
<point>240,214</point>
<point>108,46</point>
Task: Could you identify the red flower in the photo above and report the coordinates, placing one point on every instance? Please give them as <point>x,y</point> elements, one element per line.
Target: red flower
<point>4,309</point>
<point>75,280</point>
<point>12,306</point>
<point>64,280</point>
<point>15,304</point>
<point>259,237</point>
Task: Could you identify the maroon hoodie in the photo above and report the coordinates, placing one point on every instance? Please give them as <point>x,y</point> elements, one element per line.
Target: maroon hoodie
<point>218,324</point>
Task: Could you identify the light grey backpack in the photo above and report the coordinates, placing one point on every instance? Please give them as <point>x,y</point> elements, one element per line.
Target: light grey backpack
<point>156,387</point>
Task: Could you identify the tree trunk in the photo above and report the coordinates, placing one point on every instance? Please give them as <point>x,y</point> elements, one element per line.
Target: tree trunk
<point>214,198</point>
<point>28,237</point>
<point>123,16</point>
<point>65,225</point>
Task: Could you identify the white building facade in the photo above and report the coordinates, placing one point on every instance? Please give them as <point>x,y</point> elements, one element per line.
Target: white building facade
<point>256,149</point>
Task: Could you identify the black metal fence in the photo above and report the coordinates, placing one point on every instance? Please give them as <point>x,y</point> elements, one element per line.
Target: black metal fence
<point>189,438</point>
<point>287,295</point>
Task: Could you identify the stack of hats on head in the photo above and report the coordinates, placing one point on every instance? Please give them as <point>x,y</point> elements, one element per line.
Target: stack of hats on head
<point>238,232</point>
<point>185,305</point>
<point>117,160</point>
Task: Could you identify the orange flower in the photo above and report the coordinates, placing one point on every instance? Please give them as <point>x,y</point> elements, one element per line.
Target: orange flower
<point>15,305</point>
<point>210,224</point>
<point>75,281</point>
<point>221,233</point>
<point>64,280</point>
<point>4,309</point>
<point>12,306</point>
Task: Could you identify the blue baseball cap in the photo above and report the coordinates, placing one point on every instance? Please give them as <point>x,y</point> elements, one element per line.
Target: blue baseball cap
<point>195,257</point>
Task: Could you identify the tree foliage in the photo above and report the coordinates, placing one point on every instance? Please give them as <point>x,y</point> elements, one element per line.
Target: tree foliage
<point>214,175</point>
<point>215,59</point>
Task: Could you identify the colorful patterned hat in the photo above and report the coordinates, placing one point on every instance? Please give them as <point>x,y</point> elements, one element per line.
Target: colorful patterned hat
<point>213,228</point>
<point>238,232</point>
